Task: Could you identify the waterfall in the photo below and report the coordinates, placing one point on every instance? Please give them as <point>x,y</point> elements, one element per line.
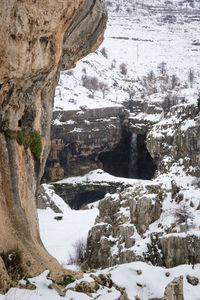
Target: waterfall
<point>133,168</point>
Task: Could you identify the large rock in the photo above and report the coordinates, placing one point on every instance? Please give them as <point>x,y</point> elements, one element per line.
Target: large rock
<point>111,239</point>
<point>78,138</point>
<point>174,290</point>
<point>31,48</point>
<point>179,250</point>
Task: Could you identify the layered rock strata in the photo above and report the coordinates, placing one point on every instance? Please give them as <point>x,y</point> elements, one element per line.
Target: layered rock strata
<point>37,40</point>
<point>138,224</point>
<point>78,138</point>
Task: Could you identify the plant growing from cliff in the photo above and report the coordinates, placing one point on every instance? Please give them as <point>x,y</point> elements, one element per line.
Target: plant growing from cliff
<point>35,144</point>
<point>31,140</point>
<point>13,264</point>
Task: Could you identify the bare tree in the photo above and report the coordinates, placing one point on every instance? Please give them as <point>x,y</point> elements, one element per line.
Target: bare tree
<point>91,83</point>
<point>103,88</point>
<point>79,252</point>
<point>163,68</point>
<point>191,77</point>
<point>174,81</point>
<point>182,215</point>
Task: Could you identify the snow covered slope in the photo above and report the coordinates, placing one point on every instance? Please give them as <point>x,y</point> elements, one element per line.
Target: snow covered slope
<point>139,44</point>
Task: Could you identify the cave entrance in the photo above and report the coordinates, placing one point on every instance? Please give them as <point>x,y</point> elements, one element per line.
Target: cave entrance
<point>130,158</point>
<point>84,198</point>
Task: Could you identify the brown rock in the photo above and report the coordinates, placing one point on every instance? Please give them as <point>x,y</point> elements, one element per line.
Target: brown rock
<point>31,42</point>
<point>192,280</point>
<point>58,289</point>
<point>174,290</point>
<point>87,287</point>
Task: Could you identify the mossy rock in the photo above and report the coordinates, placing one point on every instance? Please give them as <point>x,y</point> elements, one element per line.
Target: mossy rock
<point>31,140</point>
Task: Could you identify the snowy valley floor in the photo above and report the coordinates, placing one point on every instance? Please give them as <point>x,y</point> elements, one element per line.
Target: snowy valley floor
<point>138,278</point>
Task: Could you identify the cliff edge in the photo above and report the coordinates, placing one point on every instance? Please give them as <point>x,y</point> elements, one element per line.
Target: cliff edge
<point>37,40</point>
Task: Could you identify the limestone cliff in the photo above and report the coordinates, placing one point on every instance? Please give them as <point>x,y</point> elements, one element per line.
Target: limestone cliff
<point>37,40</point>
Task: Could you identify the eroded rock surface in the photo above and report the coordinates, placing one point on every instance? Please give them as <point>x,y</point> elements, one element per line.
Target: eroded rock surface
<point>174,290</point>
<point>121,217</point>
<point>32,38</point>
<point>78,138</point>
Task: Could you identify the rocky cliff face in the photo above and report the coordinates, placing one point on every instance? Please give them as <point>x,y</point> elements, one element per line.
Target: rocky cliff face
<point>37,40</point>
<point>79,137</point>
<point>141,223</point>
<point>176,137</point>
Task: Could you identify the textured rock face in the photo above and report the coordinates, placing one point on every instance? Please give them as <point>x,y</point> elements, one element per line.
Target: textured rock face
<point>123,231</point>
<point>80,194</point>
<point>174,290</point>
<point>79,137</point>
<point>177,137</point>
<point>180,250</point>
<point>120,217</point>
<point>33,34</point>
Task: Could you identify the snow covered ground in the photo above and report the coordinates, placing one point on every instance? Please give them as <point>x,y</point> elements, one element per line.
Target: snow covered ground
<point>99,176</point>
<point>151,283</point>
<point>138,278</point>
<point>59,237</point>
<point>136,44</point>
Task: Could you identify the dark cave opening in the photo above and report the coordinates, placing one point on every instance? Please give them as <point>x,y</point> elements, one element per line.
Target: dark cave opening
<point>83,198</point>
<point>130,158</point>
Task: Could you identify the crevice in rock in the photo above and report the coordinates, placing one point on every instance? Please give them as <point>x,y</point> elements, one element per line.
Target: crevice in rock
<point>84,198</point>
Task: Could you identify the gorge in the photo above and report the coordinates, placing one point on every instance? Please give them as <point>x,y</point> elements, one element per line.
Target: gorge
<point>121,183</point>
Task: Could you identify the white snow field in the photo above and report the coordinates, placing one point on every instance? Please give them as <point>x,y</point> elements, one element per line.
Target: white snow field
<point>59,236</point>
<point>143,43</point>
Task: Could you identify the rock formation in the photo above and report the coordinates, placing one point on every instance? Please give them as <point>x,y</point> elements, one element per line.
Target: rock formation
<point>37,40</point>
<point>79,137</point>
<point>138,213</point>
<point>174,290</point>
<point>120,217</point>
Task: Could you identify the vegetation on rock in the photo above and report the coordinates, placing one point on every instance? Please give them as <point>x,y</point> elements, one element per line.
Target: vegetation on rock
<point>31,140</point>
<point>198,103</point>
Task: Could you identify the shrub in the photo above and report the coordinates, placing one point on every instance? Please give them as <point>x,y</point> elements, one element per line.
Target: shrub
<point>35,144</point>
<point>191,77</point>
<point>198,103</point>
<point>104,88</point>
<point>70,72</point>
<point>30,140</point>
<point>181,214</point>
<point>123,69</point>
<point>174,81</point>
<point>79,252</point>
<point>13,264</point>
<point>163,68</point>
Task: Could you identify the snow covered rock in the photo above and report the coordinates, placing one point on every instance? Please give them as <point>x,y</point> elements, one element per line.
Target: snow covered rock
<point>122,218</point>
